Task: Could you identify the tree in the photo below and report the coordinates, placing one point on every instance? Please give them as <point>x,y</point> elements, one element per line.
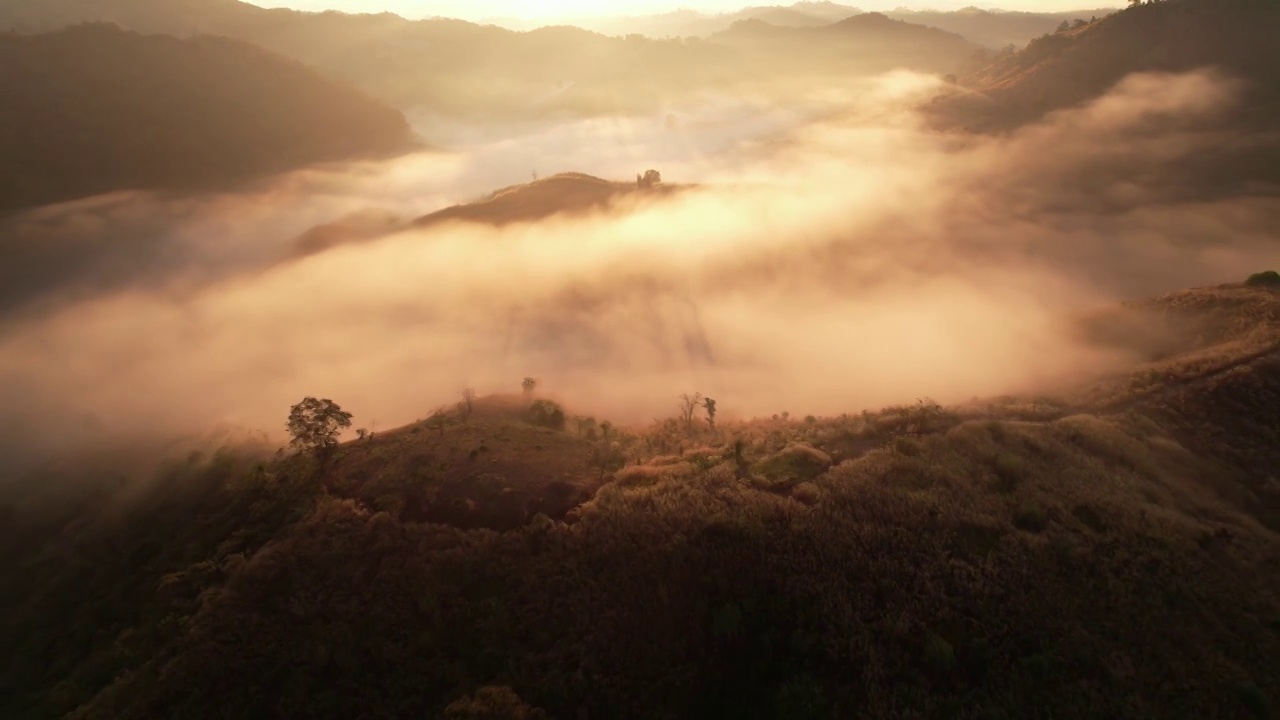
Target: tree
<point>688,404</point>
<point>1268,278</point>
<point>710,405</point>
<point>315,424</point>
<point>545,413</point>
<point>529,386</point>
<point>649,179</point>
<point>1065,26</point>
<point>468,401</point>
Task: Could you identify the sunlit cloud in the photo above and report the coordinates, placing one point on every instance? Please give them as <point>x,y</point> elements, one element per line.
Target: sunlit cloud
<point>830,260</point>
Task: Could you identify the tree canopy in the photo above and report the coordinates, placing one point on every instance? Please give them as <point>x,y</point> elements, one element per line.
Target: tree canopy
<point>315,424</point>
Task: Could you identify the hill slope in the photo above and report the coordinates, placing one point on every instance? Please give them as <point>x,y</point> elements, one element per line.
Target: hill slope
<point>868,42</point>
<point>1068,68</point>
<point>1113,554</point>
<point>565,193</point>
<point>93,109</point>
<point>993,28</point>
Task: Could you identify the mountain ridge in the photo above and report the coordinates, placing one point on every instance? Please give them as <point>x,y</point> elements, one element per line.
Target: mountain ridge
<point>93,109</point>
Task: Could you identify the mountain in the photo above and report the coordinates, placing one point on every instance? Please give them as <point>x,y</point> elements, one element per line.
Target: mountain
<point>996,28</point>
<point>691,23</point>
<point>491,73</point>
<point>93,109</point>
<point>1067,68</point>
<point>1108,553</point>
<point>868,43</point>
<point>990,28</point>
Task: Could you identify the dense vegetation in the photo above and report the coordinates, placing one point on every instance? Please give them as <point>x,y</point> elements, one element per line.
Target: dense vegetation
<point>1112,553</point>
<point>92,109</point>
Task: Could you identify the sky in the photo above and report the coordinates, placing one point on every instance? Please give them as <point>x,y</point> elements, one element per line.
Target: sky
<point>551,9</point>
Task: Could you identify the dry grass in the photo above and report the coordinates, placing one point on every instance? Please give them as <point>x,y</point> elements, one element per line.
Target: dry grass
<point>1114,561</point>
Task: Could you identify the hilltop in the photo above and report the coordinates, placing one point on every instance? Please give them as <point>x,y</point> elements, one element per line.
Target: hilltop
<point>561,194</point>
<point>564,194</point>
<point>1007,554</point>
<point>93,108</point>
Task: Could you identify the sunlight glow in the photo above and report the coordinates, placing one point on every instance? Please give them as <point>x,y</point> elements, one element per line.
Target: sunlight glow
<point>568,9</point>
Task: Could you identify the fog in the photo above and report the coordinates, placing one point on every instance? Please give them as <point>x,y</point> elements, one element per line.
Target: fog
<point>834,257</point>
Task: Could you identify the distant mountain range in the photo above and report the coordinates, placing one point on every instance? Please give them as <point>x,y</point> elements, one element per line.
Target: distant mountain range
<point>989,28</point>
<point>465,69</point>
<point>93,109</point>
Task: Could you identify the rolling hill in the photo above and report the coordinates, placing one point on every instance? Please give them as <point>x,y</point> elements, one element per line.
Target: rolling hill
<point>997,29</point>
<point>993,29</point>
<point>1228,43</point>
<point>1067,68</point>
<point>92,109</point>
<point>1110,553</point>
<point>487,72</point>
<point>865,44</point>
<point>562,194</point>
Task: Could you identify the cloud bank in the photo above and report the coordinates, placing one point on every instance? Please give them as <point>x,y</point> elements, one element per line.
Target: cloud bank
<point>835,257</point>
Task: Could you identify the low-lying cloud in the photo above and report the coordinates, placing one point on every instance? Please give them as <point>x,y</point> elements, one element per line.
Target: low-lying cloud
<point>833,258</point>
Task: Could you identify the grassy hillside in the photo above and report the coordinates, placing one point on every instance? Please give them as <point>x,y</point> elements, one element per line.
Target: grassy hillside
<point>1112,553</point>
<point>93,109</point>
<point>1063,69</point>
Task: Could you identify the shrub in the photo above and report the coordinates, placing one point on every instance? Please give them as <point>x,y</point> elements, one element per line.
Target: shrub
<point>798,461</point>
<point>939,655</point>
<point>1255,700</point>
<point>1031,518</point>
<point>1269,278</point>
<point>492,703</point>
<point>545,413</point>
<point>1009,469</point>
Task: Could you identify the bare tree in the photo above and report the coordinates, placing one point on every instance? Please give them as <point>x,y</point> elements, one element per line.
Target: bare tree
<point>688,405</point>
<point>530,385</point>
<point>468,402</point>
